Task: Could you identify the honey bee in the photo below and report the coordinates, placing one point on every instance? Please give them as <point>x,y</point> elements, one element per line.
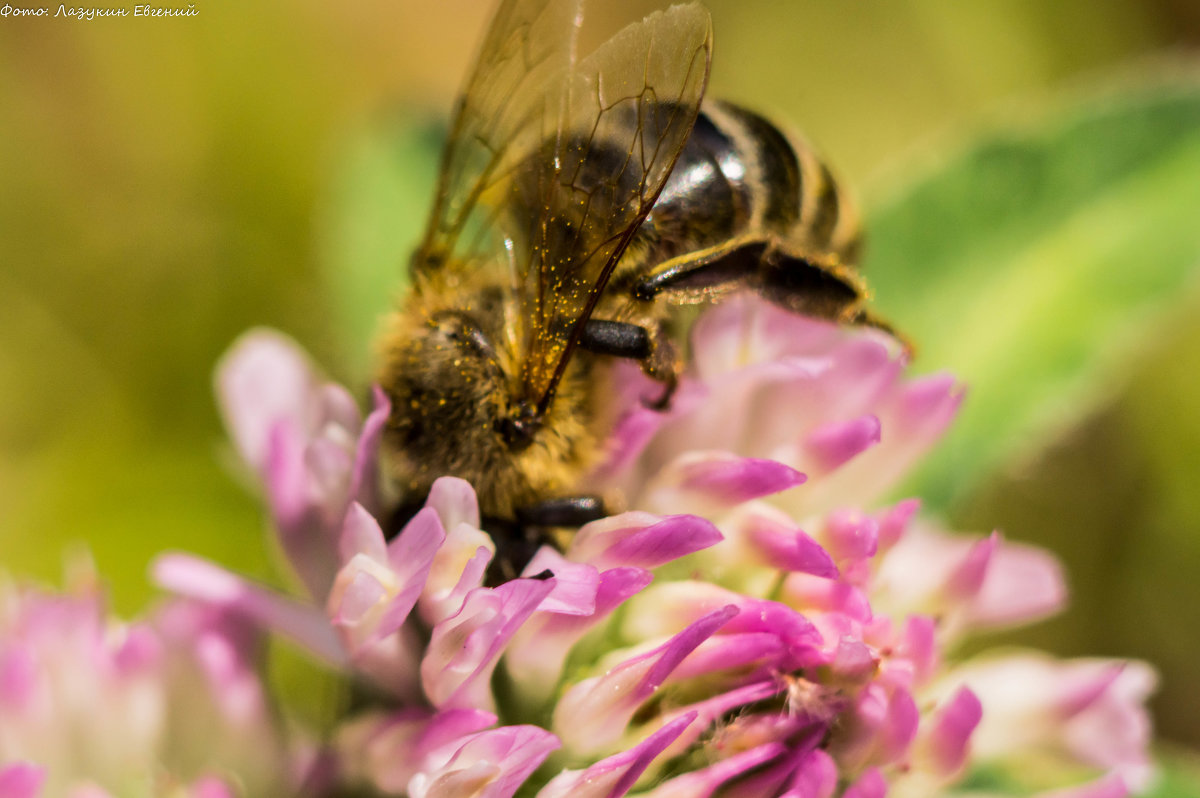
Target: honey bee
<point>581,202</point>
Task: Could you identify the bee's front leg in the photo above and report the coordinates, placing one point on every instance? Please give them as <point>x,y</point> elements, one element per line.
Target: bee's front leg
<point>655,351</point>
<point>569,511</point>
<point>544,523</point>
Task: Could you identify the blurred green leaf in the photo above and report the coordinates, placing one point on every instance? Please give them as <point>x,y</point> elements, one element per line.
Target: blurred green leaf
<point>1179,776</point>
<point>1034,263</point>
<point>381,195</point>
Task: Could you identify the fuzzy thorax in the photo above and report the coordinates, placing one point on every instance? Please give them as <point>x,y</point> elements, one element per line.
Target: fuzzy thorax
<point>456,411</point>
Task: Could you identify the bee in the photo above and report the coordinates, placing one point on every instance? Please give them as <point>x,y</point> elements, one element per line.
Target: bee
<point>581,202</point>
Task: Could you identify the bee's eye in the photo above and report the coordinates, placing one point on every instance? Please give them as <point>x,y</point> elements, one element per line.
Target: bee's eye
<point>461,330</point>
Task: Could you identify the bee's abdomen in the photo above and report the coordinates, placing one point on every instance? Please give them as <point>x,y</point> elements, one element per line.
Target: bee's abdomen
<point>740,177</point>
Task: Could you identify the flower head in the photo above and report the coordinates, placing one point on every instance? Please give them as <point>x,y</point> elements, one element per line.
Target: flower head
<point>168,706</point>
<point>755,623</point>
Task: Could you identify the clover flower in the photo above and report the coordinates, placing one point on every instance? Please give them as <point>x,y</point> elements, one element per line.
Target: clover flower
<point>169,706</point>
<point>753,624</point>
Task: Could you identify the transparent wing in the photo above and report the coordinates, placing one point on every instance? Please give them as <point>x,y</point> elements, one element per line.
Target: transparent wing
<point>553,162</point>
<point>502,116</point>
<point>628,110</point>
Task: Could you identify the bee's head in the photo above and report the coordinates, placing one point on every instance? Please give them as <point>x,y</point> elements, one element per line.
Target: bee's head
<point>456,412</point>
<point>451,397</point>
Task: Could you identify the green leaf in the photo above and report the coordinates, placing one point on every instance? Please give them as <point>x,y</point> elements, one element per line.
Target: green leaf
<point>1179,775</point>
<point>380,199</point>
<point>1033,263</point>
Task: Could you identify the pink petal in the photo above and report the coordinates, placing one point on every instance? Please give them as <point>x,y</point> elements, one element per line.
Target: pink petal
<point>880,728</point>
<point>355,595</point>
<point>1032,701</point>
<point>816,777</point>
<point>894,521</point>
<point>869,785</point>
<point>756,414</point>
<point>853,663</point>
<point>897,734</point>
<point>411,556</point>
<point>704,782</point>
<point>308,522</point>
<point>18,675</point>
<point>438,605</point>
<point>913,417</point>
<point>670,606</point>
<point>833,444</point>
<point>575,587</point>
<point>722,479</point>
<point>455,502</point>
<point>628,439</point>
<point>464,649</point>
<point>930,402</point>
<point>641,540</point>
<point>201,580</point>
<point>966,580</point>
<point>262,378</point>
<point>616,775</point>
<point>1114,731</point>
<point>140,650</point>
<point>21,780</point>
<point>617,585</point>
<point>393,749</point>
<point>1023,584</point>
<point>969,581</point>
<point>232,680</point>
<point>709,711</point>
<point>539,649</point>
<point>729,652</point>
<point>748,329</point>
<point>773,779</point>
<point>210,787</point>
<point>461,562</point>
<point>361,535</point>
<point>487,764</point>
<point>364,483</point>
<point>820,599</point>
<point>594,713</point>
<point>851,535</point>
<point>918,645</point>
<point>446,727</point>
<point>950,731</point>
<point>779,543</point>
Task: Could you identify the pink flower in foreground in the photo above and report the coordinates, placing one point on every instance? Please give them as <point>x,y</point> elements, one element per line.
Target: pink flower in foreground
<point>754,624</point>
<point>93,707</point>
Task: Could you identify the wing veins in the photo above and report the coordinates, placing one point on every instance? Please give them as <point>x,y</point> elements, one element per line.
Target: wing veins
<point>623,237</point>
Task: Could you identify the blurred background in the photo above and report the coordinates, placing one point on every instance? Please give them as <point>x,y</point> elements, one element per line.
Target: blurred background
<point>166,184</point>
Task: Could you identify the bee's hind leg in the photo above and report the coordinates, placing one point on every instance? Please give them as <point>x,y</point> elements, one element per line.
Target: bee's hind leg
<point>655,351</point>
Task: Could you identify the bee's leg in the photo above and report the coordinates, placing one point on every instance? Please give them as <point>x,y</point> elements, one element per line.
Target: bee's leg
<point>563,511</point>
<point>662,365</point>
<point>517,541</point>
<point>652,348</point>
<point>865,318</point>
<point>703,275</point>
<point>811,285</point>
<point>616,338</point>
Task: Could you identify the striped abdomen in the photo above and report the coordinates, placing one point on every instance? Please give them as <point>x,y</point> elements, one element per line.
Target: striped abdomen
<point>748,207</point>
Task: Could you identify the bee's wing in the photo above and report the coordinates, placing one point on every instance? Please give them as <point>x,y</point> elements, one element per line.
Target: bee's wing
<point>503,113</point>
<point>627,112</point>
<point>553,163</point>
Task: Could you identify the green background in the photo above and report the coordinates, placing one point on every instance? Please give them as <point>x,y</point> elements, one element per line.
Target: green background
<point>1030,170</point>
